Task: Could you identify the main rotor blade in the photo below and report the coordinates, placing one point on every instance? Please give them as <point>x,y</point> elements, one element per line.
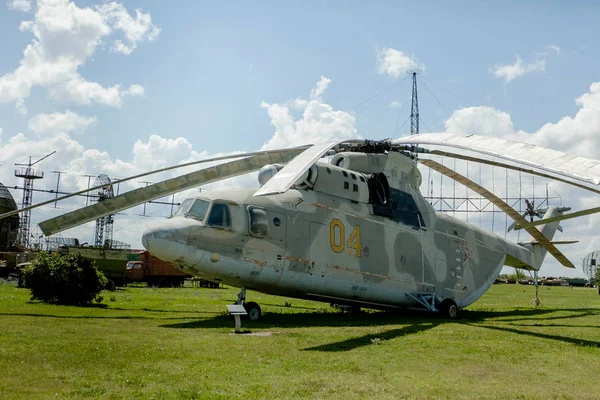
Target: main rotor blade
<point>294,150</point>
<point>554,161</point>
<point>513,167</point>
<point>164,188</point>
<point>558,218</point>
<point>285,179</point>
<point>498,202</point>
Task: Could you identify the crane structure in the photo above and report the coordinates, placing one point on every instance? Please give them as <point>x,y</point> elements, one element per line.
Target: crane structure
<point>29,174</point>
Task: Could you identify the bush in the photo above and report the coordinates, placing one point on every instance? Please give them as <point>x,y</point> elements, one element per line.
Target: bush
<point>64,279</point>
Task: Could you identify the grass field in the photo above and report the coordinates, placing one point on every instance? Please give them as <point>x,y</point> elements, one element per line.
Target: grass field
<point>176,343</point>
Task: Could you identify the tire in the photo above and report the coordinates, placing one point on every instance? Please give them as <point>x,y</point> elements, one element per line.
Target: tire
<point>253,310</point>
<point>448,309</point>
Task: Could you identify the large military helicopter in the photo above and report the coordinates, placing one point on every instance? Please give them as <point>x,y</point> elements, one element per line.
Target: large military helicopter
<point>354,230</point>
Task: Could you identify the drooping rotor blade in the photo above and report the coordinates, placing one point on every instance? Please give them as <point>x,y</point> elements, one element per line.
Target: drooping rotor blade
<point>558,218</point>
<point>294,150</point>
<point>285,179</point>
<point>498,202</point>
<point>554,161</point>
<point>513,167</point>
<point>559,242</point>
<point>164,188</point>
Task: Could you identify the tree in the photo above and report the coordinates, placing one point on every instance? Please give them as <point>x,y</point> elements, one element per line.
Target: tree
<point>64,279</point>
<point>597,279</point>
<point>518,274</point>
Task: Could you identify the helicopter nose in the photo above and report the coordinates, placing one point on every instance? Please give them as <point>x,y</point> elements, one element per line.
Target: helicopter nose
<point>165,240</point>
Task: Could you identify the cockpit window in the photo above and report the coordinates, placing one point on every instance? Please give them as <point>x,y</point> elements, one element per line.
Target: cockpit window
<point>198,209</point>
<point>183,207</point>
<point>220,216</point>
<point>259,222</point>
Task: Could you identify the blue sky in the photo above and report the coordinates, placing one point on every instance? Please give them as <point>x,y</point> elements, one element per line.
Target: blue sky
<point>207,67</point>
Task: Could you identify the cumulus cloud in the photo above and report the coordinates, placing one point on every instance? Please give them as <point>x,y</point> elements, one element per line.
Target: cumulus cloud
<point>509,72</point>
<point>135,90</point>
<point>395,104</point>
<point>19,5</point>
<point>65,37</point>
<point>395,62</point>
<point>135,30</point>
<point>67,122</point>
<point>319,122</point>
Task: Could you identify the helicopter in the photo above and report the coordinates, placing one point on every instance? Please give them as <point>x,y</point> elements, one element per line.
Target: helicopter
<point>354,230</point>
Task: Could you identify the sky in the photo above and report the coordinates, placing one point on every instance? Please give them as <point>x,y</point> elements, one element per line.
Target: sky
<point>120,88</point>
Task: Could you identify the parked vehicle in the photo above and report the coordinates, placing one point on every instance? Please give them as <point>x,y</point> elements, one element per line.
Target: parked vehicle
<point>144,267</point>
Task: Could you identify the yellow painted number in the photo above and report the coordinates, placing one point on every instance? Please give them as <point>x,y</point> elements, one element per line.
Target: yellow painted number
<point>337,238</point>
<point>354,243</point>
<point>336,245</point>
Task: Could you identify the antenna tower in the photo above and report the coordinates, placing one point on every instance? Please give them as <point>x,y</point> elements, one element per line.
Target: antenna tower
<point>104,225</point>
<point>29,174</point>
<point>414,110</point>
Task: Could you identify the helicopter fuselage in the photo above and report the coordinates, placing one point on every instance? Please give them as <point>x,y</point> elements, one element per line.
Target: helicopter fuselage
<point>309,245</point>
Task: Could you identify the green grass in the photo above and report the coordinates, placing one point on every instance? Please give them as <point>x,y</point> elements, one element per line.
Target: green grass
<point>176,343</point>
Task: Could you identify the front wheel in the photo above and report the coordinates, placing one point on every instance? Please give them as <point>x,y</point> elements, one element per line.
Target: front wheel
<point>448,309</point>
<point>253,310</point>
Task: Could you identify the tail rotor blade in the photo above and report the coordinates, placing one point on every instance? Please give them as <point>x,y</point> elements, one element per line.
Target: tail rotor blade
<point>559,218</point>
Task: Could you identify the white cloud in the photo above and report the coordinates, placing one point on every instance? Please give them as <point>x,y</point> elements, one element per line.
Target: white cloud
<point>319,122</point>
<point>20,107</point>
<point>395,62</point>
<point>554,48</point>
<point>135,30</point>
<point>135,90</point>
<point>84,92</point>
<point>19,5</point>
<point>26,26</point>
<point>509,72</point>
<point>395,104</point>
<point>67,122</point>
<point>65,37</point>
<point>320,88</point>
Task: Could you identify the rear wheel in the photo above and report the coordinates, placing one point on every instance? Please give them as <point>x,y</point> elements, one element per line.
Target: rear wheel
<point>253,310</point>
<point>448,309</point>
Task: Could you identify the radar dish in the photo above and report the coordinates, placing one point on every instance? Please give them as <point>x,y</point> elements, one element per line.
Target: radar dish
<point>590,264</point>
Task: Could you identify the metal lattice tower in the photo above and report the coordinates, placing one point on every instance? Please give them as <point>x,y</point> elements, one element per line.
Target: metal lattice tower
<point>414,110</point>
<point>29,174</point>
<point>104,225</point>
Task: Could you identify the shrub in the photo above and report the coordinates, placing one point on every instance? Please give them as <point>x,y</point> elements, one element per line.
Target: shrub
<point>64,279</point>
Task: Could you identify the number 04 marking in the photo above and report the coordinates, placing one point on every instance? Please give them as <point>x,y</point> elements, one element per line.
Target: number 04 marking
<point>337,238</point>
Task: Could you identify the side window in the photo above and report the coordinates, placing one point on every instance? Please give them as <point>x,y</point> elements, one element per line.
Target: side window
<point>259,222</point>
<point>220,216</point>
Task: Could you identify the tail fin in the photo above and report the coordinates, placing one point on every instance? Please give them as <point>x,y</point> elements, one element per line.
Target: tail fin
<point>548,230</point>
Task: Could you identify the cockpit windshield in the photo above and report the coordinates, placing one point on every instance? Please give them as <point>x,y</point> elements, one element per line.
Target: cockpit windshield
<point>183,207</point>
<point>198,209</point>
<point>193,208</point>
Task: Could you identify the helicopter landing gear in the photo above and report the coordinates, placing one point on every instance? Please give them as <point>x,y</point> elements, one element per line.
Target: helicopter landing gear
<point>448,309</point>
<point>253,309</point>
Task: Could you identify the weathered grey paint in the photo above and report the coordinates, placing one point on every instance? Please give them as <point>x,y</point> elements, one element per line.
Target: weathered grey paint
<point>299,257</point>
